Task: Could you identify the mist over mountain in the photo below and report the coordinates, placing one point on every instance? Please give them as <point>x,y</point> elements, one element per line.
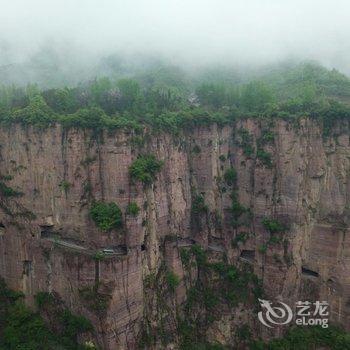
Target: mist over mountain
<point>174,174</point>
<point>60,42</point>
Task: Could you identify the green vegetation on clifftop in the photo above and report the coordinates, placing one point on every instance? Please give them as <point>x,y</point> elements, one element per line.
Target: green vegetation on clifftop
<point>171,100</point>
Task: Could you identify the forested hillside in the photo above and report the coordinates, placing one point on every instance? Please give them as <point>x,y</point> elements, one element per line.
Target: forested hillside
<point>169,98</point>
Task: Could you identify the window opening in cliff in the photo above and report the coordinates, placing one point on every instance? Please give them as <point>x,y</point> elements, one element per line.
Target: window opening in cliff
<point>2,228</point>
<point>143,247</point>
<point>308,272</point>
<point>27,267</point>
<point>248,255</point>
<point>46,232</point>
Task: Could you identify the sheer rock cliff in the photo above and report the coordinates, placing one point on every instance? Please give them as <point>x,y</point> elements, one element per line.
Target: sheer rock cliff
<point>48,241</point>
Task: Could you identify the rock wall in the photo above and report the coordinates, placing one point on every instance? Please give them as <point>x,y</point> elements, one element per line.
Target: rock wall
<point>48,241</point>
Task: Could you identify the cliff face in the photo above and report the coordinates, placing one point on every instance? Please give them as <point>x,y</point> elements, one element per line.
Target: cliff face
<point>305,186</point>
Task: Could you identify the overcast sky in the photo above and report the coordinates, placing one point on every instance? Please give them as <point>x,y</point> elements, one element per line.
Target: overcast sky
<point>237,31</point>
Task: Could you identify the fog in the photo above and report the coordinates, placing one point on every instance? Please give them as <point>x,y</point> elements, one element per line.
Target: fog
<point>187,32</point>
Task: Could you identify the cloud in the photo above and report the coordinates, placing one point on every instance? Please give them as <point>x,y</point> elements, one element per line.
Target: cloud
<point>189,31</point>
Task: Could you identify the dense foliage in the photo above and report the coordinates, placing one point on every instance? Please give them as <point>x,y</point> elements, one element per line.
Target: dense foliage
<point>170,99</point>
<point>21,328</point>
<point>133,209</point>
<point>273,225</point>
<point>107,216</point>
<point>230,176</point>
<point>145,168</point>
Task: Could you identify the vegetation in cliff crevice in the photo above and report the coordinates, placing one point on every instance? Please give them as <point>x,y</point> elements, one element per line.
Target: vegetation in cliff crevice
<point>212,289</point>
<point>9,205</point>
<point>94,299</point>
<point>145,168</point>
<point>185,256</point>
<point>133,209</point>
<point>219,286</point>
<point>241,237</point>
<point>245,141</point>
<point>196,149</point>
<point>107,216</point>
<point>273,225</point>
<point>237,214</point>
<point>230,176</point>
<point>198,205</point>
<point>99,256</point>
<point>222,158</point>
<point>65,185</point>
<point>199,211</point>
<point>6,191</point>
<point>265,157</point>
<point>267,138</point>
<point>158,324</point>
<point>172,280</point>
<point>276,229</point>
<point>240,215</point>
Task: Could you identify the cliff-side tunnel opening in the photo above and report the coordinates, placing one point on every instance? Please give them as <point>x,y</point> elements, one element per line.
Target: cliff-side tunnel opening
<point>27,267</point>
<point>248,255</point>
<point>309,273</point>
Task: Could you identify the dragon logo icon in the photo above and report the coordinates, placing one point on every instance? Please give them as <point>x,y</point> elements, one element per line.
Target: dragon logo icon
<point>274,315</point>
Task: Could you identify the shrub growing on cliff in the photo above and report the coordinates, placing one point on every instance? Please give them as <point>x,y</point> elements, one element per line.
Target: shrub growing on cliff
<point>230,176</point>
<point>107,216</point>
<point>265,157</point>
<point>145,169</point>
<point>65,185</point>
<point>273,225</point>
<point>172,280</point>
<point>185,256</point>
<point>237,210</point>
<point>246,142</point>
<point>200,254</point>
<point>196,149</point>
<point>241,237</point>
<point>7,191</point>
<point>198,205</point>
<point>133,209</point>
